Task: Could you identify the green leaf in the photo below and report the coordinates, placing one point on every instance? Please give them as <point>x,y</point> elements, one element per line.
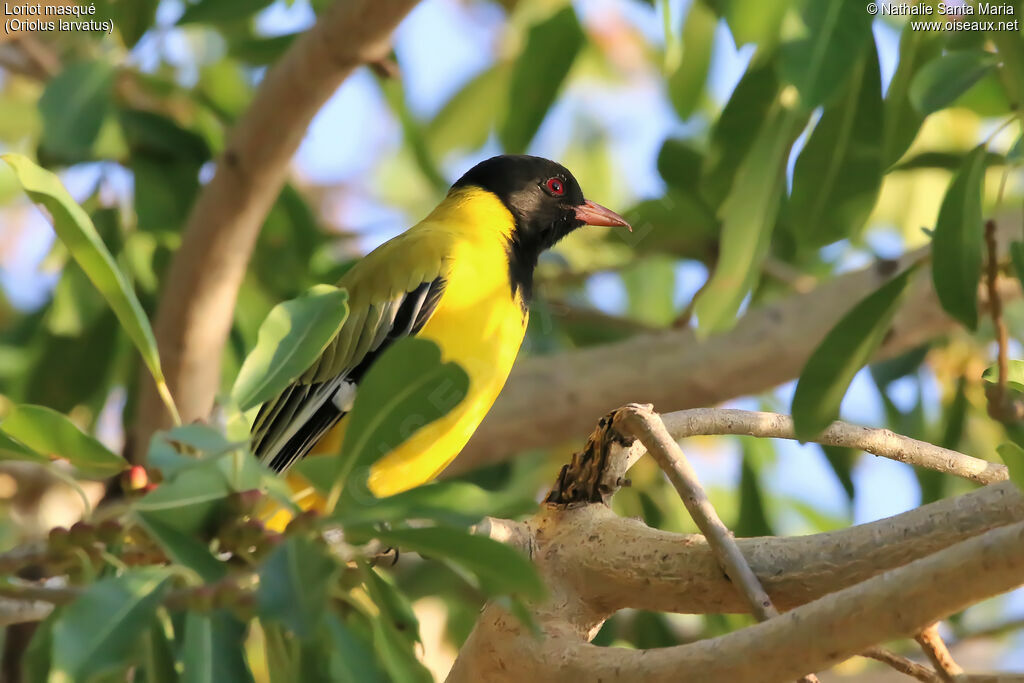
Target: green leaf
<point>72,370</point>
<point>686,84</point>
<point>820,58</point>
<point>46,431</point>
<point>679,164</point>
<point>213,11</point>
<point>158,664</point>
<point>1013,457</point>
<point>887,371</point>
<point>134,19</point>
<point>451,502</point>
<point>214,649</point>
<point>393,605</point>
<point>350,660</point>
<point>190,502</point>
<point>945,78</point>
<point>650,286</point>
<point>468,118</point>
<point>1017,256</point>
<point>78,234</point>
<point>101,629</point>
<point>841,461</point>
<point>1014,375</point>
<point>755,21</point>
<point>12,449</point>
<point>201,438</point>
<point>957,241</point>
<point>748,218</point>
<point>737,129</point>
<point>290,340</point>
<point>183,549</point>
<point>1011,69</point>
<point>160,137</point>
<point>551,48</point>
<point>499,568</point>
<point>948,161</point>
<point>1015,155</point>
<point>164,192</point>
<point>37,660</point>
<point>838,174</point>
<point>902,120</point>
<point>294,584</point>
<point>844,351</point>
<point>407,388</point>
<point>753,519</point>
<point>73,107</point>
<point>260,51</point>
<point>398,658</point>
<point>287,244</point>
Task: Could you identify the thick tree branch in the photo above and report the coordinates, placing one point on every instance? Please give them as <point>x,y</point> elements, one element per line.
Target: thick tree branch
<point>811,637</point>
<point>195,311</point>
<point>616,563</point>
<point>860,586</point>
<point>551,399</point>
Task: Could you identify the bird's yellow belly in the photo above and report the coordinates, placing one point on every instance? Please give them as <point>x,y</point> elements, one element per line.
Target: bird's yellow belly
<point>479,326</point>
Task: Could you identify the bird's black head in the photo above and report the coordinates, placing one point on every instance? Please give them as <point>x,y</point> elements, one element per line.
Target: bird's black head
<point>546,202</point>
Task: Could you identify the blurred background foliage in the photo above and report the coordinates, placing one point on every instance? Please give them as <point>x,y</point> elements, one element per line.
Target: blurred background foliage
<point>776,143</point>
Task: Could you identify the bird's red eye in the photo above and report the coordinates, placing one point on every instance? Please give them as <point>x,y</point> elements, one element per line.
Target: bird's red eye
<point>555,187</point>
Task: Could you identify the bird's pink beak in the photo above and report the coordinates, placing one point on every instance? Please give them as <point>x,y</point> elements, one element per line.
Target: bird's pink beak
<point>592,213</point>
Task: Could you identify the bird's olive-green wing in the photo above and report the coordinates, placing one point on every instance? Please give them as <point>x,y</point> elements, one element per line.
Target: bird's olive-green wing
<point>393,292</point>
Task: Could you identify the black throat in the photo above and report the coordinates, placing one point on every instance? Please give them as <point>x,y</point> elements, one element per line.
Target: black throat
<point>541,218</point>
<point>528,240</point>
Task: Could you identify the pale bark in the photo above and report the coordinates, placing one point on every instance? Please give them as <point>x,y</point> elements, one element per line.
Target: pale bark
<point>812,637</point>
<point>847,590</point>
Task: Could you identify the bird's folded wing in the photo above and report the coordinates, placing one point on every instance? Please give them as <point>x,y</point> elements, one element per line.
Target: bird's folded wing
<point>384,305</point>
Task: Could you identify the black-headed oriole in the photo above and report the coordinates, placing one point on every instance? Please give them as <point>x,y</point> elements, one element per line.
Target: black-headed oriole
<point>462,278</point>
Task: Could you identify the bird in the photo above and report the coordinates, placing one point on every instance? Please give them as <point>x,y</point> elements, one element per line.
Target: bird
<point>462,278</point>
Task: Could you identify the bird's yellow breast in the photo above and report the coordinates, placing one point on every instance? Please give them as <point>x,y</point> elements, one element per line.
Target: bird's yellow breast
<point>478,323</point>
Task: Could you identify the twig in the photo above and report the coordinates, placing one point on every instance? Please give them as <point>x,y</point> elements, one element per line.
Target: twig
<point>933,645</point>
<point>1000,406</point>
<point>902,664</point>
<point>883,442</point>
<point>643,423</point>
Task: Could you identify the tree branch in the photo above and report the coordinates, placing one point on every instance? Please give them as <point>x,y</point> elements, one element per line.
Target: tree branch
<point>647,426</point>
<point>883,442</point>
<point>935,648</point>
<point>595,563</point>
<point>551,399</point>
<point>615,563</point>
<point>198,299</point>
<point>811,637</point>
<point>902,664</point>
